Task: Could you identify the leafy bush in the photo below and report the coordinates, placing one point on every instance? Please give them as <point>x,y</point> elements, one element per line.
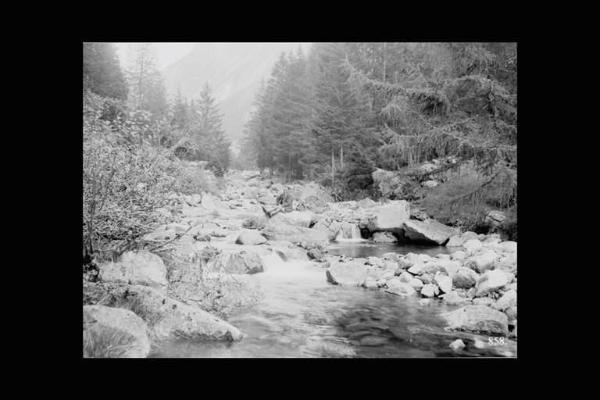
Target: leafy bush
<point>127,177</point>
<point>466,198</point>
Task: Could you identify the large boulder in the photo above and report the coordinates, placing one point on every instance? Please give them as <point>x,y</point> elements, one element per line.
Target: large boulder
<point>494,219</point>
<point>277,229</point>
<point>384,237</point>
<point>113,333</point>
<point>395,286</point>
<point>366,203</point>
<point>250,237</point>
<point>330,227</point>
<point>169,318</point>
<point>508,299</point>
<point>136,268</point>
<point>352,273</point>
<point>236,262</point>
<point>297,218</point>
<point>478,319</point>
<point>492,281</point>
<point>388,217</point>
<point>454,241</point>
<point>428,231</point>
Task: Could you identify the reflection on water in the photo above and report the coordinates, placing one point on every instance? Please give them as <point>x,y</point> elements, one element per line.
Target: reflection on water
<point>301,315</point>
<point>369,249</point>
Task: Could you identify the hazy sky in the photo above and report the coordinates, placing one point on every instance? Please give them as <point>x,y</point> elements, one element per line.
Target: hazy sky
<point>166,53</point>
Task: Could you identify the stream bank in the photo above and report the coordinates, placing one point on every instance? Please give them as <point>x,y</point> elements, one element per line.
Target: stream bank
<point>308,283</point>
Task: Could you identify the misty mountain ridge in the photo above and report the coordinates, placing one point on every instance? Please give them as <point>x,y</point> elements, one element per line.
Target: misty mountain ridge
<point>234,72</point>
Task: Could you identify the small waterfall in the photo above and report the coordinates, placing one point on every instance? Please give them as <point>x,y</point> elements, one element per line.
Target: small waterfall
<point>349,233</point>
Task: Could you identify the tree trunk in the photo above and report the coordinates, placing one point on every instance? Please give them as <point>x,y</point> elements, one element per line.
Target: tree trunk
<point>384,60</point>
<point>342,156</point>
<point>332,168</point>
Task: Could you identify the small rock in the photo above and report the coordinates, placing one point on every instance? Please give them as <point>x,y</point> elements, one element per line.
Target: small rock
<point>250,237</point>
<point>472,245</point>
<point>491,281</point>
<point>465,278</point>
<point>429,290</point>
<point>508,299</point>
<point>384,237</point>
<point>457,345</point>
<point>444,282</point>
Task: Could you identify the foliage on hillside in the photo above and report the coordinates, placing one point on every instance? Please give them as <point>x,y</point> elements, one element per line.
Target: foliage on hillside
<point>345,109</point>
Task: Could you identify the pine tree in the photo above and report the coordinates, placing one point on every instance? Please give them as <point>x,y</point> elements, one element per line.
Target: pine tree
<point>147,90</point>
<point>102,73</point>
<point>208,133</point>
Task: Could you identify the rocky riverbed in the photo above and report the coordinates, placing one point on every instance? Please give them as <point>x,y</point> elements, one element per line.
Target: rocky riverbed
<point>224,259</point>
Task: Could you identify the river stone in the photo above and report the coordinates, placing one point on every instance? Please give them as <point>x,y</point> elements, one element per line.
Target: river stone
<point>449,266</point>
<point>483,261</point>
<point>491,281</point>
<point>298,218</point>
<point>417,284</point>
<point>425,278</point>
<point>444,282</point>
<point>457,345</point>
<point>485,301</point>
<point>455,241</point>
<point>370,283</point>
<point>465,278</point>
<point>472,245</point>
<point>373,341</point>
<point>278,229</point>
<point>430,231</point>
<point>429,290</point>
<point>405,277</point>
<point>459,255</point>
<point>453,298</point>
<point>478,319</point>
<point>170,319</point>
<point>236,262</point>
<point>417,269</point>
<point>394,286</point>
<point>508,246</point>
<point>388,217</point>
<point>511,312</point>
<point>137,268</point>
<point>508,263</point>
<point>384,237</point>
<point>351,273</point>
<point>113,333</point>
<point>255,222</point>
<point>250,237</point>
<point>366,203</point>
<point>508,299</point>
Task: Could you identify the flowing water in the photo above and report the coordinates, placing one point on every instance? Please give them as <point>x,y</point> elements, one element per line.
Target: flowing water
<point>301,315</point>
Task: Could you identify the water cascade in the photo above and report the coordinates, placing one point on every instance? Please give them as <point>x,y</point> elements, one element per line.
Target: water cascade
<point>349,233</point>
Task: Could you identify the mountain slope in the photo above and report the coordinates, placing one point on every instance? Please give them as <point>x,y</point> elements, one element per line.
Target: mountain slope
<point>234,71</point>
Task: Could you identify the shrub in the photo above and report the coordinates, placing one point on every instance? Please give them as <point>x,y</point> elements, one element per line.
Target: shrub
<point>467,196</point>
<point>127,178</point>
